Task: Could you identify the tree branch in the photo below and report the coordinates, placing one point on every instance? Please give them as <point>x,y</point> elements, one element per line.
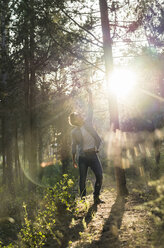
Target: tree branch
<point>81,26</point>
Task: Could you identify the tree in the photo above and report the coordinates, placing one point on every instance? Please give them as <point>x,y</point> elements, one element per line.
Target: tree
<point>114,118</point>
<point>6,112</point>
<point>39,46</point>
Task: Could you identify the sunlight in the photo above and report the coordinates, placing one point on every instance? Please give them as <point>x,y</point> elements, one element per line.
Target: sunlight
<point>122,82</point>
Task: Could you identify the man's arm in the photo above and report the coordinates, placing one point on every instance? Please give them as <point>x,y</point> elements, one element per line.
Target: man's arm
<point>74,160</point>
<point>90,106</point>
<point>74,151</point>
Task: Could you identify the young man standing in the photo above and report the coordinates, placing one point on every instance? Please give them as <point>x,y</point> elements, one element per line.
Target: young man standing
<point>85,143</point>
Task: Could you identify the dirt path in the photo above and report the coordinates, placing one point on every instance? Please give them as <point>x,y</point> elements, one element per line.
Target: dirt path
<point>116,223</point>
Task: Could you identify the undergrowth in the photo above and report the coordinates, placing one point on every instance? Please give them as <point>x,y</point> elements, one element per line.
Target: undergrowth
<point>156,210</point>
<point>57,201</point>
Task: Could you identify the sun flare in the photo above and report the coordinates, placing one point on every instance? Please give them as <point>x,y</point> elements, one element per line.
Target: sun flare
<point>122,82</point>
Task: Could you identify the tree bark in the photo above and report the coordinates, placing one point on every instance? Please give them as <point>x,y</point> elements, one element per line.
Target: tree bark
<point>3,79</point>
<point>18,171</point>
<point>3,151</point>
<point>33,127</point>
<point>9,157</point>
<point>114,117</point>
<point>8,178</point>
<point>30,130</point>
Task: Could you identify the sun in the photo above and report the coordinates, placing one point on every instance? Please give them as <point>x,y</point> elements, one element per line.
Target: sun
<point>122,82</point>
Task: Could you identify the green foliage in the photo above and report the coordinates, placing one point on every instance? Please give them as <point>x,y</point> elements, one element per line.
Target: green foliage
<point>156,206</point>
<point>30,235</point>
<point>57,201</point>
<point>8,246</point>
<point>156,209</point>
<point>61,194</point>
<point>51,174</point>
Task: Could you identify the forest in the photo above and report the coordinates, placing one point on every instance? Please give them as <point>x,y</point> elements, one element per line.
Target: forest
<point>56,57</point>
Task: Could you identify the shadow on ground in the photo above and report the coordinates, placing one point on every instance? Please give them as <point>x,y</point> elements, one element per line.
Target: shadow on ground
<point>109,237</point>
<point>73,233</point>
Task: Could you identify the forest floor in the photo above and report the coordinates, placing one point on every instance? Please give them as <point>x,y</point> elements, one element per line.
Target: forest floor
<point>118,222</point>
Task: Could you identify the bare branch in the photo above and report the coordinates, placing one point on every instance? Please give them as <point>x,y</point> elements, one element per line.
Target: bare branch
<point>81,26</point>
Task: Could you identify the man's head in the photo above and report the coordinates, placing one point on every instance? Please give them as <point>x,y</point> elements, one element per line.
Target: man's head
<point>76,119</point>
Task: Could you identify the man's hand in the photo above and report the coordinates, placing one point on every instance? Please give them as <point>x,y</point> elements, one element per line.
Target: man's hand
<point>75,164</point>
<point>74,160</point>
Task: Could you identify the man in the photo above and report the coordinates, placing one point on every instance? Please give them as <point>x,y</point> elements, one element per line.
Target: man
<point>86,139</point>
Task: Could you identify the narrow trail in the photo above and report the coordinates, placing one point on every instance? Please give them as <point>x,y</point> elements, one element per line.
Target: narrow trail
<point>117,222</point>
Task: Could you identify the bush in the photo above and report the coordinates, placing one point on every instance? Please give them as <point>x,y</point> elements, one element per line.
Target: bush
<point>57,200</point>
<point>156,206</point>
<point>156,209</point>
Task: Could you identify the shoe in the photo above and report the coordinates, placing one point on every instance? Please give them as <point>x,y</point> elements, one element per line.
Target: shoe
<point>97,200</point>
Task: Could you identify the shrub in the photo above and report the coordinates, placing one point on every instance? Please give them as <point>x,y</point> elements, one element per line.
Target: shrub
<point>156,209</point>
<point>57,200</point>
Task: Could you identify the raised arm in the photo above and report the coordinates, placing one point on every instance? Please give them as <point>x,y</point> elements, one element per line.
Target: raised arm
<point>90,106</point>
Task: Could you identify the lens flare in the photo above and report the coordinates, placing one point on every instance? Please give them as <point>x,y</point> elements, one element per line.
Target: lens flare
<point>122,82</point>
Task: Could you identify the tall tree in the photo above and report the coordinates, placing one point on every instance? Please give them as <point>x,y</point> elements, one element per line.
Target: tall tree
<point>6,115</point>
<point>114,118</point>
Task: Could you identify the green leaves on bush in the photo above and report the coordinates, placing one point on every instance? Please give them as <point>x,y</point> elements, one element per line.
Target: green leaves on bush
<point>57,200</point>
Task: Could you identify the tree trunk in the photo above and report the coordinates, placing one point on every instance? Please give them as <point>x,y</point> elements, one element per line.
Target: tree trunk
<point>3,151</point>
<point>3,79</point>
<point>30,131</point>
<point>114,117</point>
<point>18,170</point>
<point>33,126</point>
<point>9,157</point>
<point>6,115</point>
<point>65,158</point>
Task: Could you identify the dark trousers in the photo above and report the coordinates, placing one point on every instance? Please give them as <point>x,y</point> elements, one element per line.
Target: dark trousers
<point>90,160</point>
